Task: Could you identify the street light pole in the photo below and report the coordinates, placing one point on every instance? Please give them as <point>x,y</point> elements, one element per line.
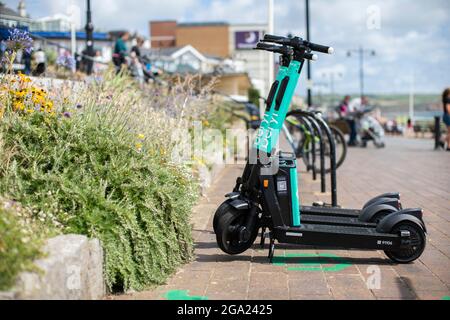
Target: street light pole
<point>361,52</point>
<point>271,31</point>
<point>308,37</point>
<point>89,38</point>
<point>361,71</point>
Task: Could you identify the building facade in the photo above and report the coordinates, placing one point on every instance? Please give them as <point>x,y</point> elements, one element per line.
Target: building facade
<point>10,18</point>
<point>208,38</point>
<point>242,39</point>
<point>163,34</point>
<point>220,40</point>
<point>56,23</point>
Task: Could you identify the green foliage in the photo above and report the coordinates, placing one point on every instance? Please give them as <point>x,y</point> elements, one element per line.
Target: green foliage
<point>19,244</point>
<point>87,175</point>
<point>51,56</point>
<point>101,166</point>
<point>253,96</point>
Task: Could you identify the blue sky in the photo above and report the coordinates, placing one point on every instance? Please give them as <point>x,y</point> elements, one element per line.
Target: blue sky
<point>410,36</point>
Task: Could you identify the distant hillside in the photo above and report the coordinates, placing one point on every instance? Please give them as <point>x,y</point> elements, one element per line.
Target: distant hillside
<point>398,104</point>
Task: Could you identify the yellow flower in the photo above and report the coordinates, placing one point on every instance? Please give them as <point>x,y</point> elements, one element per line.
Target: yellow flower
<point>141,136</point>
<point>20,94</point>
<point>139,146</point>
<point>19,105</point>
<point>24,78</point>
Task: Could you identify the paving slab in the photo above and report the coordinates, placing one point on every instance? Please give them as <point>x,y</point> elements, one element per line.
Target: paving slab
<point>408,166</point>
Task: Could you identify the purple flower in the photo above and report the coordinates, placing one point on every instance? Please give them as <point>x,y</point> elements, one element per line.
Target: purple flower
<point>19,40</point>
<point>66,61</point>
<point>67,114</point>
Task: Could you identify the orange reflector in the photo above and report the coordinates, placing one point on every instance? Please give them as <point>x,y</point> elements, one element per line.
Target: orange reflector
<point>266,184</point>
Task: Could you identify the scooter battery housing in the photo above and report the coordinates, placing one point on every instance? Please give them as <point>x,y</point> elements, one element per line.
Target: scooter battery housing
<point>287,189</point>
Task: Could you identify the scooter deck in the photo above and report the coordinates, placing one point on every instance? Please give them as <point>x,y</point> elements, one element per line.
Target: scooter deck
<point>337,236</point>
<point>324,219</point>
<point>331,211</point>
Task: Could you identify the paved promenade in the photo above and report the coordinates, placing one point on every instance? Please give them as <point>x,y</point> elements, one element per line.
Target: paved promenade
<point>408,166</point>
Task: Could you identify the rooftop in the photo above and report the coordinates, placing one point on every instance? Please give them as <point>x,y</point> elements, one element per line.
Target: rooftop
<point>203,24</point>
<point>5,11</point>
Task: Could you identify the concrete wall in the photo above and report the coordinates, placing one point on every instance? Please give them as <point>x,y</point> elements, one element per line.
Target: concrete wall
<point>71,270</point>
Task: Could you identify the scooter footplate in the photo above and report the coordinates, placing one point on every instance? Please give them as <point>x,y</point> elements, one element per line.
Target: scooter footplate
<point>338,212</point>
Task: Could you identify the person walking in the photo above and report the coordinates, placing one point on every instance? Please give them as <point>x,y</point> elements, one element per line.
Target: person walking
<point>446,116</point>
<point>27,62</point>
<point>136,65</point>
<point>121,51</point>
<point>343,107</point>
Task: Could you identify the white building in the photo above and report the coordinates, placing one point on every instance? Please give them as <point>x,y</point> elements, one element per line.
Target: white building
<point>56,23</point>
<point>243,38</point>
<point>10,18</point>
<point>186,59</point>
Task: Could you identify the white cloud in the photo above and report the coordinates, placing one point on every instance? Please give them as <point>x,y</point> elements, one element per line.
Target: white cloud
<point>413,35</point>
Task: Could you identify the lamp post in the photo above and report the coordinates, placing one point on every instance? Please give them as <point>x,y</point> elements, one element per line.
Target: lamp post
<point>271,31</point>
<point>361,52</point>
<point>332,76</point>
<point>89,39</point>
<point>308,37</point>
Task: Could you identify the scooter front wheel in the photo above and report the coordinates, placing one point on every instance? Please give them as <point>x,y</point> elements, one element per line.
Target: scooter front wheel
<point>416,247</point>
<point>227,233</point>
<point>221,210</point>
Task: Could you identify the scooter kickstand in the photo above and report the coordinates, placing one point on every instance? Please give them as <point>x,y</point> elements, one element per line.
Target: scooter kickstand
<point>263,238</point>
<point>271,249</point>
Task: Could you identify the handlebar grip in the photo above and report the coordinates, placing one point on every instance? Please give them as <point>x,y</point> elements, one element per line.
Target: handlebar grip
<point>265,46</point>
<point>320,48</point>
<point>310,56</point>
<point>270,37</point>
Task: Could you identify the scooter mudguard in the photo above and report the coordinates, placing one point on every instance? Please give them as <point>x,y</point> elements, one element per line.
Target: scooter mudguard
<point>391,195</point>
<point>369,213</point>
<point>239,204</point>
<point>388,223</point>
<point>416,212</point>
<point>233,195</point>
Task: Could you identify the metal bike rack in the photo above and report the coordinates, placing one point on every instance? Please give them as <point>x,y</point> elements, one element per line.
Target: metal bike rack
<point>325,129</point>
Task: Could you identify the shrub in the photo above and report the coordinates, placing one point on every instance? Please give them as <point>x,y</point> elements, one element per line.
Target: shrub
<point>102,168</point>
<point>20,242</point>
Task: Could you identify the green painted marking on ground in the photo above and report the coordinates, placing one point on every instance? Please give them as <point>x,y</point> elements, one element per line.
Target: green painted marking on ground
<point>446,298</point>
<point>311,262</point>
<point>182,295</point>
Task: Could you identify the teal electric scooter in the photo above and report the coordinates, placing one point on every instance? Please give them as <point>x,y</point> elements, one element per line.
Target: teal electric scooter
<point>266,196</point>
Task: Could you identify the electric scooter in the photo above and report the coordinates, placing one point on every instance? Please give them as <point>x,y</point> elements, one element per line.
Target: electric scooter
<point>372,211</point>
<point>267,193</point>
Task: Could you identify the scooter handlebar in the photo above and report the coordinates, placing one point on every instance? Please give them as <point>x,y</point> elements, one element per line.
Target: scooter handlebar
<point>284,50</point>
<point>298,43</point>
<point>311,56</point>
<point>272,38</point>
<point>320,48</point>
<point>274,48</point>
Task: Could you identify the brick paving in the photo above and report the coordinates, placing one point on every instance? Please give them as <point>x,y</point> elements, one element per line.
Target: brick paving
<point>408,166</point>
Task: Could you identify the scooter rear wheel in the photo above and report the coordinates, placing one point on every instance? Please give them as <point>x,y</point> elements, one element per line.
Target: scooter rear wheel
<point>418,242</point>
<point>227,235</point>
